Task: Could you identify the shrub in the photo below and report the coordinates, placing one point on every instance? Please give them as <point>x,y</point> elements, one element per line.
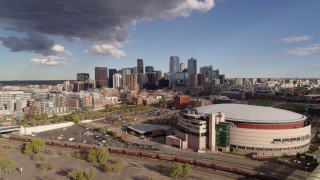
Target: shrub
<point>38,157</point>
<point>79,174</point>
<point>98,155</point>
<point>64,154</point>
<point>45,166</point>
<point>34,147</point>
<point>50,152</point>
<point>6,165</point>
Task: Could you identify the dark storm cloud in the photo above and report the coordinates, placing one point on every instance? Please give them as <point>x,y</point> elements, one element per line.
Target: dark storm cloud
<point>32,43</point>
<point>90,20</point>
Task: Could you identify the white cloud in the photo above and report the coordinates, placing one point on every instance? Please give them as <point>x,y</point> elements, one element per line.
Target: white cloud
<point>107,49</point>
<point>49,61</point>
<point>296,39</point>
<point>185,8</point>
<point>303,51</point>
<point>56,48</point>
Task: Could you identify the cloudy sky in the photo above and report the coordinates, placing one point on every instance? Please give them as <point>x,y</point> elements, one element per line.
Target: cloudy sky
<point>46,39</point>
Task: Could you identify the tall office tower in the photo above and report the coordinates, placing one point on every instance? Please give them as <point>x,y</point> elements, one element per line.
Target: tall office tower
<point>151,78</point>
<point>117,80</point>
<point>111,73</point>
<point>124,72</point>
<point>140,65</point>
<point>215,73</point>
<point>132,82</point>
<point>134,70</point>
<point>192,71</point>
<point>207,71</point>
<point>174,67</point>
<point>83,76</point>
<point>158,77</point>
<point>141,79</point>
<point>101,76</point>
<point>222,78</point>
<point>66,86</point>
<point>166,76</point>
<point>149,69</point>
<point>200,79</point>
<point>182,67</point>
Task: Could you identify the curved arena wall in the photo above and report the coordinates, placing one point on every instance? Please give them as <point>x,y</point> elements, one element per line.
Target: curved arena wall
<point>265,142</point>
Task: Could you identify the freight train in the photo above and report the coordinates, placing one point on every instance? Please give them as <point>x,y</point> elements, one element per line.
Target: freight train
<point>159,156</point>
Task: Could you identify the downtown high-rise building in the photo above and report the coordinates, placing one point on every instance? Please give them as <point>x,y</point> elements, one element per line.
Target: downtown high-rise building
<point>174,66</point>
<point>117,80</point>
<point>132,82</point>
<point>124,73</point>
<point>181,67</point>
<point>101,76</point>
<point>149,69</point>
<point>207,71</point>
<point>192,71</point>
<point>140,65</point>
<point>111,73</point>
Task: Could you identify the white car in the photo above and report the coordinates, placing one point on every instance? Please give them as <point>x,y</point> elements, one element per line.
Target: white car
<point>70,139</point>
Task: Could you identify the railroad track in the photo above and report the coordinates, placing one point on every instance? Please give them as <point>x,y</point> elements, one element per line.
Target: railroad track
<point>230,165</point>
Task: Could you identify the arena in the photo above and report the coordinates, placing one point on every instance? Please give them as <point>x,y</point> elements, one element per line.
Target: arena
<point>246,129</point>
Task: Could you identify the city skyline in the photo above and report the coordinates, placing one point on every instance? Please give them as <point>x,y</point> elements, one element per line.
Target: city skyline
<point>242,39</point>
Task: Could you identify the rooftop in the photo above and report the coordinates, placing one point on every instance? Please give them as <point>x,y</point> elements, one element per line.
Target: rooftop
<point>252,114</point>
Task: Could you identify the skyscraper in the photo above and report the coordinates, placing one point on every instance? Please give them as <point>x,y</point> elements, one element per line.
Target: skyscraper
<point>101,76</point>
<point>174,67</point>
<point>124,72</point>
<point>111,73</point>
<point>181,67</point>
<point>149,69</point>
<point>117,80</point>
<point>132,82</point>
<point>192,71</point>
<point>207,71</point>
<point>140,65</point>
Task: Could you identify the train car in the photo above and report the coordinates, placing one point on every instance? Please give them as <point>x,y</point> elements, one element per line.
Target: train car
<point>59,144</point>
<point>118,151</point>
<point>73,146</point>
<point>24,139</point>
<point>86,147</point>
<point>15,138</point>
<point>149,155</point>
<point>222,168</point>
<point>184,161</point>
<point>49,143</point>
<point>132,153</point>
<point>203,164</point>
<point>167,158</point>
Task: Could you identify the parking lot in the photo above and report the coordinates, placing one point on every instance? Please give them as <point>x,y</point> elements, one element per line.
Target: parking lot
<point>80,134</point>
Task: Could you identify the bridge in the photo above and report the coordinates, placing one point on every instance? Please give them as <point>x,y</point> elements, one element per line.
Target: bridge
<point>5,129</point>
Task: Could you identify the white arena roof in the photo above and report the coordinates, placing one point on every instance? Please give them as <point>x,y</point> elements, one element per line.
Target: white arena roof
<point>252,114</point>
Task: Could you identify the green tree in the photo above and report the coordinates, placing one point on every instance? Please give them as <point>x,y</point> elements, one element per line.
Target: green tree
<point>98,155</point>
<point>176,170</point>
<point>186,171</point>
<point>34,147</point>
<point>79,174</point>
<point>6,165</point>
<point>74,118</point>
<point>316,138</point>
<point>102,155</point>
<point>92,156</point>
